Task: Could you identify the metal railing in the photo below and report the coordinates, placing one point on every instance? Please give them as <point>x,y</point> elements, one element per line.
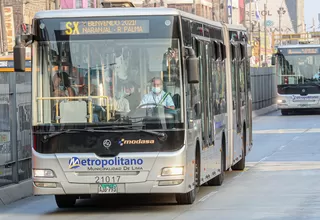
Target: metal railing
<point>15,127</point>
<point>263,87</point>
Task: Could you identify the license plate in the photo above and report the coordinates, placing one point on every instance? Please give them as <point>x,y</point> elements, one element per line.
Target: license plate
<point>107,188</point>
<point>303,105</point>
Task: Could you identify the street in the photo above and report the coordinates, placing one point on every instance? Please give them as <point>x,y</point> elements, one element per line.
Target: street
<point>281,181</point>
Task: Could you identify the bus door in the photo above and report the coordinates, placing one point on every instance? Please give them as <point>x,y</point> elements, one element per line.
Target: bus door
<point>201,47</point>
<point>235,77</point>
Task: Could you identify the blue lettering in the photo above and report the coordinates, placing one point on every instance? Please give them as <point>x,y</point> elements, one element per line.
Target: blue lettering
<point>117,161</point>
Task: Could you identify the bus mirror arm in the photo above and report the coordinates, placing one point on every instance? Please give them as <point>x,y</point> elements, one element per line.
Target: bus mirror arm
<point>192,66</point>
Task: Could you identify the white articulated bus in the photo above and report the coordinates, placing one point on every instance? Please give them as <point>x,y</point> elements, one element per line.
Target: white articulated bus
<point>298,77</point>
<point>101,124</point>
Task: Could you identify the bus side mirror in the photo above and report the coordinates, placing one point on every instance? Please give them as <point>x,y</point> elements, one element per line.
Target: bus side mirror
<point>19,54</point>
<point>192,66</point>
<point>273,60</point>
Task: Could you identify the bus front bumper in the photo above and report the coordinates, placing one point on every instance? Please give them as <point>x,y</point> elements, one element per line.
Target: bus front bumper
<point>64,188</point>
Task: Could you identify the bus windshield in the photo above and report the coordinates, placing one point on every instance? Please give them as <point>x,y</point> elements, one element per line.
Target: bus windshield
<point>299,66</point>
<point>102,81</point>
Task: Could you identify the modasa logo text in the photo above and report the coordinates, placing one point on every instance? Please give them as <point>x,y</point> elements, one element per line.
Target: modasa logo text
<point>75,162</point>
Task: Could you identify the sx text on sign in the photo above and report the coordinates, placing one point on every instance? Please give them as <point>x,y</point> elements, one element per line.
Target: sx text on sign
<point>105,27</point>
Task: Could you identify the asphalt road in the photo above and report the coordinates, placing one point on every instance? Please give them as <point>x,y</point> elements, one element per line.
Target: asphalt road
<point>281,181</point>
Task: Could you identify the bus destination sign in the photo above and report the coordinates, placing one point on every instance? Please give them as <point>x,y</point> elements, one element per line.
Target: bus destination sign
<point>105,27</point>
<point>301,51</point>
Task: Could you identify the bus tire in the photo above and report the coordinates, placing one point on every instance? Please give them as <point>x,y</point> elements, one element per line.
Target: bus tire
<point>189,197</point>
<point>218,180</point>
<point>242,163</point>
<point>284,112</point>
<point>65,201</point>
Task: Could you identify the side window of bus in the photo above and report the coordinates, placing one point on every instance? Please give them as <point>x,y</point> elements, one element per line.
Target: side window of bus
<point>186,30</point>
<point>217,72</point>
<point>233,72</point>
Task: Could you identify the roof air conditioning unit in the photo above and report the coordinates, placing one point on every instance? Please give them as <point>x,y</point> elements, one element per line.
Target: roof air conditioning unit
<point>117,4</point>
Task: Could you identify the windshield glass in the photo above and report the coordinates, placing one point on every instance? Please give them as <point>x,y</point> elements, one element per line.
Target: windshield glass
<point>108,81</point>
<point>299,66</point>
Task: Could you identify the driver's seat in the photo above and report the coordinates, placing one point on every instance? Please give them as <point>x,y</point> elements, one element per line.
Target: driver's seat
<point>177,101</point>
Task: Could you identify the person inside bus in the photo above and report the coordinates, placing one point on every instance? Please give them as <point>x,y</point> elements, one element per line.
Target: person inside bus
<point>61,85</point>
<point>132,95</point>
<point>157,96</point>
<point>122,101</point>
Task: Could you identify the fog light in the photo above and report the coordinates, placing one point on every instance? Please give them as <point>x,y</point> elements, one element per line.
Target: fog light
<point>170,182</point>
<point>43,173</point>
<point>172,171</point>
<point>45,185</point>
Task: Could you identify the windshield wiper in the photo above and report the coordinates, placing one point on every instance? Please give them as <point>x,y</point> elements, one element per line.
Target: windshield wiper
<point>159,134</point>
<point>95,130</point>
<point>314,84</point>
<point>67,131</point>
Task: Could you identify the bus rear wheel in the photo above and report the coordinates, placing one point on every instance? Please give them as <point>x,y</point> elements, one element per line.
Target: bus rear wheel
<point>65,201</point>
<point>189,197</point>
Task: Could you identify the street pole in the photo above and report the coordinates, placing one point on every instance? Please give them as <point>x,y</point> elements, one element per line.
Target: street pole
<point>250,21</point>
<point>281,11</point>
<point>259,28</point>
<point>57,4</point>
<point>265,34</point>
<point>212,8</point>
<point>225,7</point>
<point>3,28</point>
<point>280,32</point>
<point>194,7</point>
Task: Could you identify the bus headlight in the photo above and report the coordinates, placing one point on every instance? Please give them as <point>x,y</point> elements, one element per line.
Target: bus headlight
<point>172,171</point>
<point>43,173</point>
<point>280,101</point>
<point>45,185</point>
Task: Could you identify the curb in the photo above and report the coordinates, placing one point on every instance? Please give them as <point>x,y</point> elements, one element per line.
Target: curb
<point>15,192</point>
<point>264,111</point>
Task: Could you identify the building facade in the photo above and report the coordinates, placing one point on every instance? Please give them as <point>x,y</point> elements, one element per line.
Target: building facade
<point>17,16</point>
<point>211,9</point>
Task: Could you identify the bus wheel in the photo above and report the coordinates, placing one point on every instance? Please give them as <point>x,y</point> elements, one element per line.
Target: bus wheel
<point>241,163</point>
<point>65,201</point>
<point>284,112</point>
<point>218,180</point>
<point>189,197</point>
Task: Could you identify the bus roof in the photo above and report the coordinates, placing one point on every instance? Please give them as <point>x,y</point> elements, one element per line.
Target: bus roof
<point>113,12</point>
<point>236,27</point>
<point>298,46</point>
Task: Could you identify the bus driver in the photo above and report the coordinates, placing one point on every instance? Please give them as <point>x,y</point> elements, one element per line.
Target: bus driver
<point>157,95</point>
